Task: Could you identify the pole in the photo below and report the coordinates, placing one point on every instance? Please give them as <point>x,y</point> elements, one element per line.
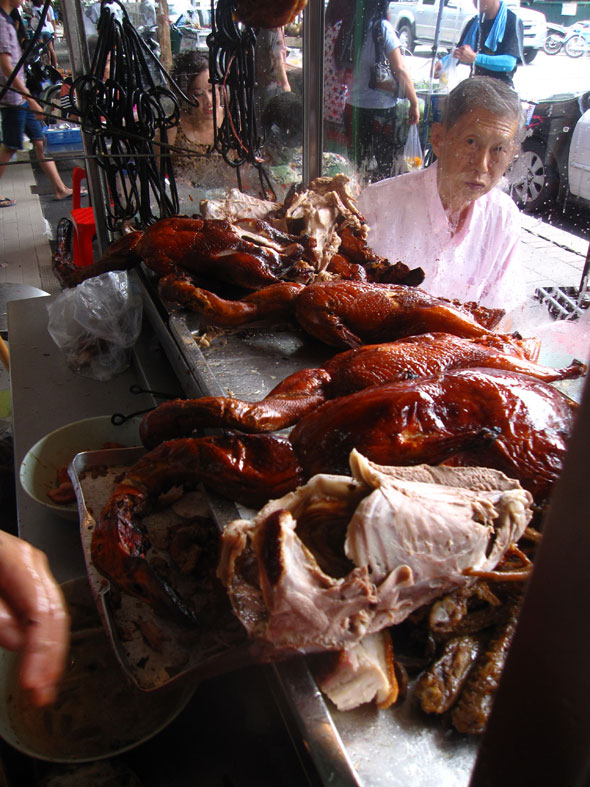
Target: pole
<point>428,104</point>
<point>313,89</point>
<point>76,38</point>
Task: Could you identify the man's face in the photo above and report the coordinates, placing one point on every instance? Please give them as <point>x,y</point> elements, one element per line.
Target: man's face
<point>485,5</point>
<point>473,154</point>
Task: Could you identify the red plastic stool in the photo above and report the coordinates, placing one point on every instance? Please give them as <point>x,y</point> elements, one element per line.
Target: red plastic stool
<point>83,221</point>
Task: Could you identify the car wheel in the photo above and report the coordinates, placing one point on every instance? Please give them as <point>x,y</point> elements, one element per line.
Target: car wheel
<point>406,36</point>
<point>535,182</point>
<point>530,55</point>
<point>575,46</point>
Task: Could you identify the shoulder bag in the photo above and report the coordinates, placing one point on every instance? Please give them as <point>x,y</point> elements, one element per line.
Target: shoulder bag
<point>381,76</point>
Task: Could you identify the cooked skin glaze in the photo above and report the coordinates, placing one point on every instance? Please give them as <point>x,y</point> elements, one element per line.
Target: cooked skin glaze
<point>466,417</point>
<point>344,314</point>
<point>342,375</point>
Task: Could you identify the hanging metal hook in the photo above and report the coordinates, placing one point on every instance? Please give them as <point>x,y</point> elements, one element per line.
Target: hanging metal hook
<point>120,418</point>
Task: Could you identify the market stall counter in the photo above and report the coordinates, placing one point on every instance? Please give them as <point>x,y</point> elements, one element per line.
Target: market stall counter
<point>234,711</point>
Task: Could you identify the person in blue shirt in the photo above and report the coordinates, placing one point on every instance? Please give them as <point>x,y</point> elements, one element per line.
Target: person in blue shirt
<point>492,42</point>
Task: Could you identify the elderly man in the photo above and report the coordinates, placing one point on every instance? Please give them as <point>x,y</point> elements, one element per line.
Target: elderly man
<point>449,218</point>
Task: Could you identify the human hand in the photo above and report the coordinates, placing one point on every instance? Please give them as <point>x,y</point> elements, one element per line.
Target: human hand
<point>35,107</point>
<point>414,114</point>
<point>465,54</point>
<point>33,617</point>
<point>437,68</point>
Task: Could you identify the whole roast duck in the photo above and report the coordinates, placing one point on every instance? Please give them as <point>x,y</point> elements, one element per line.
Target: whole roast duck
<point>467,417</point>
<point>341,313</point>
<point>346,373</point>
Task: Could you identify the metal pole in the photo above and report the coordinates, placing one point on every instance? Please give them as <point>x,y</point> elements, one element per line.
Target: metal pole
<point>428,105</point>
<point>313,89</point>
<point>76,39</point>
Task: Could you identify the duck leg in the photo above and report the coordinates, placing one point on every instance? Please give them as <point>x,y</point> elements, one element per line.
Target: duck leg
<point>248,469</point>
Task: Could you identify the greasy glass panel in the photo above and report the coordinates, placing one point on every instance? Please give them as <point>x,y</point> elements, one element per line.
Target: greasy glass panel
<point>365,126</point>
<point>256,106</point>
<point>550,180</point>
<point>279,102</point>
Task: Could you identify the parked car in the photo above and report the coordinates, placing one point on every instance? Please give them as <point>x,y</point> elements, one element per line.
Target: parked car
<point>415,23</point>
<point>554,164</point>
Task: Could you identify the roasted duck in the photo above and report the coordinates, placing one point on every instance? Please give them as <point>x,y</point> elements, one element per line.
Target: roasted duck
<point>343,557</point>
<point>293,241</point>
<point>346,373</point>
<point>469,417</point>
<point>339,313</point>
<point>249,254</point>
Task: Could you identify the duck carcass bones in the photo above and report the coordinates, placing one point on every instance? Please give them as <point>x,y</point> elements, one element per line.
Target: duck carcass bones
<point>343,557</point>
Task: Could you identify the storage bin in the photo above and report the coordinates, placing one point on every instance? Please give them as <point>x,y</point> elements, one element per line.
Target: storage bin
<point>62,139</point>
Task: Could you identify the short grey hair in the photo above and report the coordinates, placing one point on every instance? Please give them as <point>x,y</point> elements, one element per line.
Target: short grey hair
<point>488,93</point>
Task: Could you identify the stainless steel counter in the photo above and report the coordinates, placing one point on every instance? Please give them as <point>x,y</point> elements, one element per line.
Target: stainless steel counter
<point>46,395</point>
<point>234,711</point>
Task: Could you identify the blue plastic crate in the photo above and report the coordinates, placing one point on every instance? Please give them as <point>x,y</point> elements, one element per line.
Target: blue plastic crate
<point>58,137</point>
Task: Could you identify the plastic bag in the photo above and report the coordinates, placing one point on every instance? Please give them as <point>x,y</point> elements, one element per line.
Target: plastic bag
<point>413,156</point>
<point>447,76</point>
<point>96,324</point>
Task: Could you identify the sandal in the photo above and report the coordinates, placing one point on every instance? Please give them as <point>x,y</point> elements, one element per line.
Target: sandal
<point>83,193</point>
<point>6,202</point>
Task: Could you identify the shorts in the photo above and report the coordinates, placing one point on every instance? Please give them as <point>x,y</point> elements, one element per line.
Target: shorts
<point>17,121</point>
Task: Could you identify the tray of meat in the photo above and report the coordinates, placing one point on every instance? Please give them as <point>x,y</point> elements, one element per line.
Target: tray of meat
<point>354,696</point>
<point>156,650</point>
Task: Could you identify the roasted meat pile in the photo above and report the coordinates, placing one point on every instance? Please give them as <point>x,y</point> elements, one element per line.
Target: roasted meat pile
<point>317,232</point>
<point>342,557</point>
<point>453,433</point>
<point>333,564</point>
<point>465,417</point>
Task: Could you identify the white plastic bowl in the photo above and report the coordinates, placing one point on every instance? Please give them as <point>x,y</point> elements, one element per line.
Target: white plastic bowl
<point>38,470</point>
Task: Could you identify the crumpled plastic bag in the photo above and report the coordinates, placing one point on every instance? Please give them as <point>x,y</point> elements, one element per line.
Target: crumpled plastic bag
<point>96,324</point>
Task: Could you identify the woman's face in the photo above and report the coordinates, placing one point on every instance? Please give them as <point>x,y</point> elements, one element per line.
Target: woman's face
<point>202,91</point>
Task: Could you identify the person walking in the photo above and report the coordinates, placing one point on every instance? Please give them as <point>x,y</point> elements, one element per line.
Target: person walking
<point>20,112</point>
<point>371,115</point>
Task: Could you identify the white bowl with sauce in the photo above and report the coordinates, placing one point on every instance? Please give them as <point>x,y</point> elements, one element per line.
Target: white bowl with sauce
<point>38,470</point>
<point>98,712</point>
